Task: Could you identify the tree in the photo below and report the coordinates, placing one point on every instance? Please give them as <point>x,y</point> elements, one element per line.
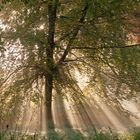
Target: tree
<point>47,41</point>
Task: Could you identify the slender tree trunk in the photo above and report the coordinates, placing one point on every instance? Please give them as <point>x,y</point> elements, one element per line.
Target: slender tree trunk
<point>52,8</point>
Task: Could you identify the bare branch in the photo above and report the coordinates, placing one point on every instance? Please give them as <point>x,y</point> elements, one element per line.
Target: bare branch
<point>105,47</point>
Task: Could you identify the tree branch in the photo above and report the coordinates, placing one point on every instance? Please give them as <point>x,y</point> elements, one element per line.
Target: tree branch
<point>104,47</point>
<point>73,36</point>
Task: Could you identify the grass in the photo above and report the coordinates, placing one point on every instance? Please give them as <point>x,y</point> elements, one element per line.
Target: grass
<point>67,135</point>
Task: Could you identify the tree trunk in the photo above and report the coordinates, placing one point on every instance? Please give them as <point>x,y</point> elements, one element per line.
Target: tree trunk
<point>49,87</point>
<point>48,101</point>
<point>52,9</point>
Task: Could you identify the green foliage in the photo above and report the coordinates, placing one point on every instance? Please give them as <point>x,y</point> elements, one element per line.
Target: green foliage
<point>90,37</point>
<point>136,135</point>
<point>70,136</point>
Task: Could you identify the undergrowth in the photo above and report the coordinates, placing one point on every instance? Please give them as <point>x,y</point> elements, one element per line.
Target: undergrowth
<point>71,135</point>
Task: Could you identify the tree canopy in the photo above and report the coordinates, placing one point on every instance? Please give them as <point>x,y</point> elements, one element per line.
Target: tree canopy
<point>48,43</point>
